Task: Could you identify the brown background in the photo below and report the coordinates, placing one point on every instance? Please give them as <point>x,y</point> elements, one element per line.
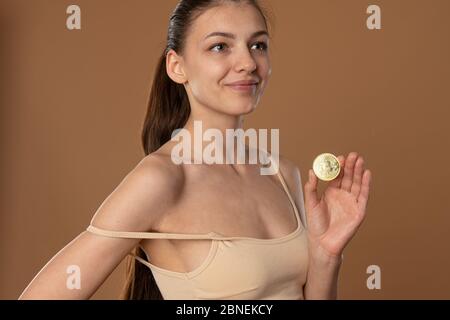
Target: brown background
<point>73,102</point>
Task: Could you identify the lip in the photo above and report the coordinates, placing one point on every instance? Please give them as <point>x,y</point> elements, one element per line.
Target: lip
<point>244,85</point>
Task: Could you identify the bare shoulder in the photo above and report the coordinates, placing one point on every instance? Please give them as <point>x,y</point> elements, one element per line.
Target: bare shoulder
<point>142,197</point>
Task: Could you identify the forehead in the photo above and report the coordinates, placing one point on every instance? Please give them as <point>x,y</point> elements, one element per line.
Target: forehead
<point>238,18</point>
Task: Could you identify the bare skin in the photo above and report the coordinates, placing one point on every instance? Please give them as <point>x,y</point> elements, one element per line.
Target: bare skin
<point>247,204</point>
<point>234,200</point>
<point>131,206</point>
<point>227,202</point>
<point>160,196</point>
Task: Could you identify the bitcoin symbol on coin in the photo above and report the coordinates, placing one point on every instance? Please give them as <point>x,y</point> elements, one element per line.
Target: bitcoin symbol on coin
<point>326,167</point>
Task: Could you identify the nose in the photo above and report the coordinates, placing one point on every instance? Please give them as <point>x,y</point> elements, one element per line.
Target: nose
<point>245,61</point>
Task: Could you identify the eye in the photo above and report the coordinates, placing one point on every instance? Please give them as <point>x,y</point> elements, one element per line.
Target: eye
<point>218,47</point>
<point>262,46</point>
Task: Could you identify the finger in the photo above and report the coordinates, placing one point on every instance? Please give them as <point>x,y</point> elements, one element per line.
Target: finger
<point>363,197</point>
<point>311,198</point>
<point>357,177</point>
<point>337,182</point>
<point>348,171</point>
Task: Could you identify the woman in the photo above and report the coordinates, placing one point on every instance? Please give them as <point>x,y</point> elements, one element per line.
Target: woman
<point>221,231</point>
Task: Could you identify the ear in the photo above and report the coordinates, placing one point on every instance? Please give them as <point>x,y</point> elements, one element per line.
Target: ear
<point>174,67</point>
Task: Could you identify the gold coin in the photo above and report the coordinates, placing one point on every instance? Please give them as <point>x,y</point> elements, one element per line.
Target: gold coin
<point>326,166</point>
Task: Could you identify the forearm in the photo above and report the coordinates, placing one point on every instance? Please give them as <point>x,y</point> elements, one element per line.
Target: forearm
<point>323,273</point>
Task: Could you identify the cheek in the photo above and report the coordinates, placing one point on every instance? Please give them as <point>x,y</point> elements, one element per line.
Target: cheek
<point>208,77</point>
<point>264,72</point>
<point>215,71</point>
<point>264,68</point>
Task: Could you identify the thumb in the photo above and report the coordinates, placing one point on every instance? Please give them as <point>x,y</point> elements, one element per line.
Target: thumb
<point>311,198</point>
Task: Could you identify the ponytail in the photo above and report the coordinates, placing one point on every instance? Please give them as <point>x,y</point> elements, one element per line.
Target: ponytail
<point>168,109</point>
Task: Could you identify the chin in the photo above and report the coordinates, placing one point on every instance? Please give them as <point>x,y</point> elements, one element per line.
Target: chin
<point>242,110</point>
<point>249,110</point>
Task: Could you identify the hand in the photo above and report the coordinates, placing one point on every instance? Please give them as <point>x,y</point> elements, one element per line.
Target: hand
<point>334,218</point>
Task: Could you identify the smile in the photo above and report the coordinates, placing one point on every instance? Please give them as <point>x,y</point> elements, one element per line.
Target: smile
<point>243,87</point>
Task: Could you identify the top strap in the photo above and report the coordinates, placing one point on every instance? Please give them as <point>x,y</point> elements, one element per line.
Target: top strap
<point>147,235</point>
<point>285,187</point>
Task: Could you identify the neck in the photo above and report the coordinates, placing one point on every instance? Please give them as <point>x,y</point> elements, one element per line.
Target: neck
<point>213,139</point>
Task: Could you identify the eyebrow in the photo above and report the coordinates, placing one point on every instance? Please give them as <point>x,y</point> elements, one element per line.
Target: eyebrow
<point>232,36</point>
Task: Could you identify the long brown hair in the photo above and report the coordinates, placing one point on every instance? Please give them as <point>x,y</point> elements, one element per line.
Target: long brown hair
<point>168,110</point>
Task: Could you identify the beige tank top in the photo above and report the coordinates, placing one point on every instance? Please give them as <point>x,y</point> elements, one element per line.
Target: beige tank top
<point>235,267</point>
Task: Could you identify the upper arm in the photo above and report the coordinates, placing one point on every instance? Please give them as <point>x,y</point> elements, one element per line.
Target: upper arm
<point>134,205</point>
<point>292,176</point>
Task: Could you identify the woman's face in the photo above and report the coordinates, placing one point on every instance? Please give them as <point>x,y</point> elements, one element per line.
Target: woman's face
<point>212,62</point>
